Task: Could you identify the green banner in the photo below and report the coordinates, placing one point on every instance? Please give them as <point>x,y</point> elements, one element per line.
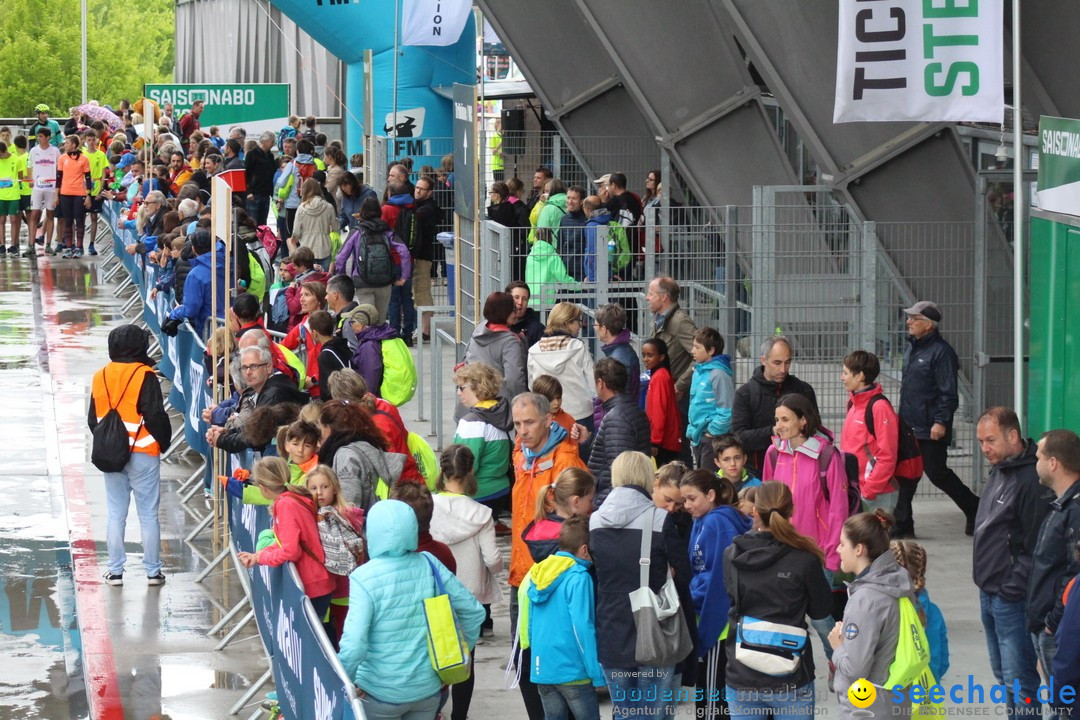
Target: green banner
<point>1059,165</point>
<point>256,107</point>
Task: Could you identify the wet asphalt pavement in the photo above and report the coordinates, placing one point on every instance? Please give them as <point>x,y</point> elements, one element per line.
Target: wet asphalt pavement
<point>70,646</point>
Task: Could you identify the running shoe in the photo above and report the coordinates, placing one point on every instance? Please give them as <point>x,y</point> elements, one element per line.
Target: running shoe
<point>69,253</point>
<point>50,250</point>
<point>13,250</point>
<point>154,580</point>
<point>29,253</point>
<point>114,579</point>
<point>78,253</point>
<point>39,240</point>
<point>91,250</point>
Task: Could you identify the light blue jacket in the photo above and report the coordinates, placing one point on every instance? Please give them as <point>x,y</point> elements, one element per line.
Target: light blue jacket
<point>384,643</point>
<point>712,391</point>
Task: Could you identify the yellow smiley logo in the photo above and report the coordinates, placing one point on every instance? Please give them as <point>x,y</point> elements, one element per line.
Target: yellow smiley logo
<point>861,694</point>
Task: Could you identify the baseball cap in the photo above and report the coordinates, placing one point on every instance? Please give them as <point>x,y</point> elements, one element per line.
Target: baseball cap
<point>602,180</point>
<point>125,161</point>
<point>365,314</point>
<point>927,309</point>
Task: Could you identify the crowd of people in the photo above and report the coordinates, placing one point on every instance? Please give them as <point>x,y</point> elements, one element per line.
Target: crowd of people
<point>616,476</point>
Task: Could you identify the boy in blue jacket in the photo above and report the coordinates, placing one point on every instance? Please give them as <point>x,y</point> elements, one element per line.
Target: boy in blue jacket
<point>712,392</point>
<point>559,620</point>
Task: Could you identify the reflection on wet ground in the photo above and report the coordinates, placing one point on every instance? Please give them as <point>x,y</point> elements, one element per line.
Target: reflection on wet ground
<point>141,652</point>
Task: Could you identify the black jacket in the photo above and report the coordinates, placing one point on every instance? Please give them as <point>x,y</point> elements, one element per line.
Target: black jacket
<point>279,388</point>
<point>1053,565</point>
<point>259,168</point>
<point>1011,509</point>
<point>503,213</point>
<point>531,329</point>
<point>928,392</point>
<point>429,215</point>
<point>625,427</point>
<point>615,547</point>
<point>778,583</point>
<point>752,414</point>
<point>335,355</point>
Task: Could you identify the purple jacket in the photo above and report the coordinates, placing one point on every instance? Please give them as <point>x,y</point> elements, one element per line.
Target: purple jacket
<point>344,263</point>
<point>367,358</point>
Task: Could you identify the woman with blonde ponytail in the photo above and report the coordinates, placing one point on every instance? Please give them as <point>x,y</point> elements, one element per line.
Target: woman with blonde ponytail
<point>773,574</point>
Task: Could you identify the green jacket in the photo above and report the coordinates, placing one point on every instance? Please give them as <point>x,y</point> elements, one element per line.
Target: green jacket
<point>545,272</point>
<point>550,217</point>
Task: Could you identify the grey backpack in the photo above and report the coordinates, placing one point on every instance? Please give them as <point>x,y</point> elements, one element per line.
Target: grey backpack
<point>342,545</point>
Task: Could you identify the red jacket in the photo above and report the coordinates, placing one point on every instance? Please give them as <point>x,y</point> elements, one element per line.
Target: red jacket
<point>298,535</point>
<point>302,342</point>
<point>387,418</point>
<point>874,478</point>
<point>661,410</point>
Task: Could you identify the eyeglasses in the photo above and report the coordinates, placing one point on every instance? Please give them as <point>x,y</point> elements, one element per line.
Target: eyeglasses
<point>461,388</point>
<point>253,368</point>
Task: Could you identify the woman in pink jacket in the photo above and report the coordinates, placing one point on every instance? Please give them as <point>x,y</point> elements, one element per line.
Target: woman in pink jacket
<point>296,529</point>
<point>876,446</point>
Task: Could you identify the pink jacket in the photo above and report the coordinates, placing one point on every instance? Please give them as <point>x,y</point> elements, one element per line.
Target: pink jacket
<point>294,523</point>
<point>874,478</point>
<point>813,516</point>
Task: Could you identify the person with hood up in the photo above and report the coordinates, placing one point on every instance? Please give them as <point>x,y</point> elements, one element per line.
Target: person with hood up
<point>864,643</point>
<point>599,216</point>
<point>774,574</point>
<point>315,220</point>
<point>128,383</point>
<point>564,355</point>
<point>466,527</point>
<point>615,546</point>
<point>199,300</point>
<point>493,343</point>
<point>372,229</point>
<point>485,430</point>
<point>353,446</point>
<point>559,627</point>
<point>384,643</point>
<point>370,333</point>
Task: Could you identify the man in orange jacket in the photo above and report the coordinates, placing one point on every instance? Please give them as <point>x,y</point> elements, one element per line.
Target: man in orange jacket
<point>128,383</point>
<point>544,451</point>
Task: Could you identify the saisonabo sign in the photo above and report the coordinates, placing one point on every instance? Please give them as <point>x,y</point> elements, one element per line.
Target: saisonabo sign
<point>932,60</point>
<point>1059,165</point>
<point>256,106</point>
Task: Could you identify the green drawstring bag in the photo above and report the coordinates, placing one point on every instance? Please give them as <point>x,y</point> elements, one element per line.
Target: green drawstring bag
<point>266,539</point>
<point>912,649</point>
<point>446,645</point>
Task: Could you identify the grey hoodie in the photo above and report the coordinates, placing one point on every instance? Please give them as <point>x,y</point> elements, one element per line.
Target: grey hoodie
<point>871,626</point>
<point>502,350</point>
<point>359,466</point>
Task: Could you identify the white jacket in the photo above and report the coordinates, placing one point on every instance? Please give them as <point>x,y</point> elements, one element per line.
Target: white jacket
<point>567,359</point>
<point>467,528</point>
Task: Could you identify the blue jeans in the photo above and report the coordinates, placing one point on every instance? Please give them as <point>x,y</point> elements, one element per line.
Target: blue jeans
<point>423,709</point>
<point>140,477</point>
<point>639,691</point>
<point>1045,649</point>
<point>825,625</point>
<point>1012,655</point>
<point>789,704</point>
<point>258,208</point>
<point>401,313</point>
<point>578,699</point>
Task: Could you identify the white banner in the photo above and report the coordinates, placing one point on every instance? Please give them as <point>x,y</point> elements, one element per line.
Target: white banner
<point>434,22</point>
<point>935,60</point>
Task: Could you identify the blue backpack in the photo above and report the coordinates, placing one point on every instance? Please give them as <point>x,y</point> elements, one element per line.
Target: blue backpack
<point>279,311</point>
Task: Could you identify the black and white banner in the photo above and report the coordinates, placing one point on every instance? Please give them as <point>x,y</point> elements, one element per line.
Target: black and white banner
<point>434,22</point>
<point>935,60</point>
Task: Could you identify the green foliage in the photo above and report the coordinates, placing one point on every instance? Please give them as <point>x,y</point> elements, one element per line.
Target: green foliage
<point>129,43</point>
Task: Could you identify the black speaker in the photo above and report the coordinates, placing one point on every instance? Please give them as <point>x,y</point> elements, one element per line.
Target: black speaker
<point>513,132</point>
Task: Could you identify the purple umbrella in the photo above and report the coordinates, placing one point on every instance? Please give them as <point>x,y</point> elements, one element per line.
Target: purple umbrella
<point>97,112</point>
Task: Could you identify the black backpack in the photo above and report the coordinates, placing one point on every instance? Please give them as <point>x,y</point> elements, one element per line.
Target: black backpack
<point>909,462</point>
<point>373,261</point>
<point>111,441</point>
<point>406,228</point>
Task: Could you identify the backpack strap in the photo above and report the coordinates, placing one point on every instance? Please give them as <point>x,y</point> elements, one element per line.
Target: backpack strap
<point>870,413</point>
<point>770,458</point>
<point>824,459</point>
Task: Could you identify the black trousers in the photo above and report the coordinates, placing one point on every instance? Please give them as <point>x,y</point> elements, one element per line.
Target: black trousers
<point>935,465</point>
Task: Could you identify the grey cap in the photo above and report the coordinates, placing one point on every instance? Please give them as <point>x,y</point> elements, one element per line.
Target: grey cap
<point>927,309</point>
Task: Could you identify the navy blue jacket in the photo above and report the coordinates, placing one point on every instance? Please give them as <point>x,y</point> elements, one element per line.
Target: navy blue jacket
<point>1067,658</point>
<point>571,245</point>
<point>713,533</point>
<point>928,393</point>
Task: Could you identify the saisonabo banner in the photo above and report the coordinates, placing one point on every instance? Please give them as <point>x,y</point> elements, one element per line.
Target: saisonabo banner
<point>920,60</point>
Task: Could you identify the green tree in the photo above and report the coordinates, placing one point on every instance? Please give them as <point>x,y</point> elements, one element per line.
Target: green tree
<point>128,44</point>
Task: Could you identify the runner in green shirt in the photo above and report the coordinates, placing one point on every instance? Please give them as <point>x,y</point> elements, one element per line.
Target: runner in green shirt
<point>98,162</point>
<point>12,172</point>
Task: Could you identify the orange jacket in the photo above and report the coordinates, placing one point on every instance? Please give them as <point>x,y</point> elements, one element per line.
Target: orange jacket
<point>120,384</point>
<point>527,483</point>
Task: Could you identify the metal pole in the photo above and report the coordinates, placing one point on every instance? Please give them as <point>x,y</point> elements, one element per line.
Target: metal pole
<point>82,8</point>
<point>1018,226</point>
<point>397,38</point>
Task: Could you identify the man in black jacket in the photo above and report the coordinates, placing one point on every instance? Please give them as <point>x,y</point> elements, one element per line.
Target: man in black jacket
<point>259,168</point>
<point>928,399</point>
<point>624,427</point>
<point>1011,510</point>
<point>428,216</point>
<point>1054,565</point>
<point>752,413</point>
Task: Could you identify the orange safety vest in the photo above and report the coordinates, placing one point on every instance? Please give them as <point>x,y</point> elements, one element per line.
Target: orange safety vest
<point>116,385</point>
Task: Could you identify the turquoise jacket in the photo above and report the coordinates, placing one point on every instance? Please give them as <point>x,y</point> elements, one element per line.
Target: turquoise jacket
<point>562,621</point>
<point>546,275</point>
<point>712,391</point>
<point>384,643</point>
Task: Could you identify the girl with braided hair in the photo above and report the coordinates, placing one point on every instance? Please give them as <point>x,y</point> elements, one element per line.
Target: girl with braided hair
<point>911,555</point>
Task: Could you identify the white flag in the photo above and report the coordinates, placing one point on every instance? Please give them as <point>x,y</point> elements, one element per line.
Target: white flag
<point>933,60</point>
<point>434,22</point>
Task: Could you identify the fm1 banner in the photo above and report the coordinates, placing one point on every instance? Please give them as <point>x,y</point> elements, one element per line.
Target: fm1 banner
<point>932,60</point>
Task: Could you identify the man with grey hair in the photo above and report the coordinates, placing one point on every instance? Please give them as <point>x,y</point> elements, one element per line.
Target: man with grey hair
<point>928,398</point>
<point>545,451</point>
<point>259,168</point>
<point>752,413</point>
